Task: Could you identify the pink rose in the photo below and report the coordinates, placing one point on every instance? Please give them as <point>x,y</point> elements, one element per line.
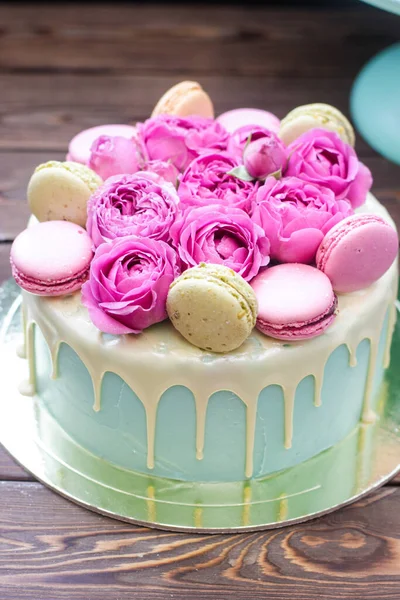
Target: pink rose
<point>238,140</point>
<point>180,140</point>
<point>128,284</point>
<point>140,204</point>
<point>264,156</point>
<point>221,235</point>
<point>114,155</point>
<point>206,181</point>
<point>296,215</point>
<point>321,157</point>
<point>164,170</point>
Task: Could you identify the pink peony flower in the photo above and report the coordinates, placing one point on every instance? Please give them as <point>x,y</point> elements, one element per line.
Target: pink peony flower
<point>221,235</point>
<point>321,157</point>
<point>115,155</point>
<point>180,140</point>
<point>295,216</point>
<point>206,181</point>
<point>140,204</point>
<point>238,140</point>
<point>164,170</point>
<point>128,284</point>
<point>264,156</point>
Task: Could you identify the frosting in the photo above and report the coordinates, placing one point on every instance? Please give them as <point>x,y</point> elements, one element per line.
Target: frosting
<point>179,363</point>
<point>65,320</point>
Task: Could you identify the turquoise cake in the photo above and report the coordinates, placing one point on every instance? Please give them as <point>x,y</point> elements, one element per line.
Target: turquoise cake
<point>157,405</point>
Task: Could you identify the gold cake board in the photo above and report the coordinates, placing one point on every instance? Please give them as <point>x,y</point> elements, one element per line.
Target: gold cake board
<point>362,462</point>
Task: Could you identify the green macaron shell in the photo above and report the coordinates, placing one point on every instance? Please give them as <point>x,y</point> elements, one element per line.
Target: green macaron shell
<point>59,191</point>
<point>83,172</point>
<point>225,275</point>
<point>323,115</point>
<point>212,307</point>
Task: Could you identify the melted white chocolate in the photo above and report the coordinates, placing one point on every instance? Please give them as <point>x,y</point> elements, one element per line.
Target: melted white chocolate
<point>257,364</point>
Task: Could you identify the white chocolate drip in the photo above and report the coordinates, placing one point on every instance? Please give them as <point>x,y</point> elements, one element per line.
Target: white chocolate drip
<point>391,326</point>
<point>318,381</point>
<point>251,414</point>
<point>21,348</point>
<point>201,412</point>
<point>289,393</point>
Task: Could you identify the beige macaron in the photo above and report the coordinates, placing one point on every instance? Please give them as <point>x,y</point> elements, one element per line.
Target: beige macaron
<point>59,191</point>
<point>310,116</point>
<point>185,99</point>
<point>213,307</point>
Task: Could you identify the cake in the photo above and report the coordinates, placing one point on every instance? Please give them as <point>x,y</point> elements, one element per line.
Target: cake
<point>133,391</point>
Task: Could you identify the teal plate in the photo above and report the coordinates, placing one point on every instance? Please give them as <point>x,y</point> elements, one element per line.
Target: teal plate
<point>363,461</point>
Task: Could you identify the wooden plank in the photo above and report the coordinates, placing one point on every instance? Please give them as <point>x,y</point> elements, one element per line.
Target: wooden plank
<point>51,549</point>
<point>30,122</point>
<point>16,168</point>
<point>15,172</point>
<point>42,111</point>
<point>10,471</point>
<point>182,39</point>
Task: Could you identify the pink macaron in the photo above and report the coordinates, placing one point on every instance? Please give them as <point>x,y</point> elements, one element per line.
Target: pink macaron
<point>79,146</point>
<point>295,301</point>
<point>357,252</point>
<point>239,117</point>
<point>51,258</point>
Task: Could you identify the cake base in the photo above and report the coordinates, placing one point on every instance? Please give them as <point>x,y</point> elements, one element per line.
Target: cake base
<point>362,462</point>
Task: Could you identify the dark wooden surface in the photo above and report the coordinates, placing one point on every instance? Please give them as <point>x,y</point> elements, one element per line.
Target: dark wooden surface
<point>64,68</point>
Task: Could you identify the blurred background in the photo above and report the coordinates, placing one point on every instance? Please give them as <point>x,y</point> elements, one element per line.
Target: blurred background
<point>68,66</point>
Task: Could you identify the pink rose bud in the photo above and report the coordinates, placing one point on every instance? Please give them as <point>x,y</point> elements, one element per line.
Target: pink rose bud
<point>163,170</point>
<point>264,156</point>
<point>114,156</point>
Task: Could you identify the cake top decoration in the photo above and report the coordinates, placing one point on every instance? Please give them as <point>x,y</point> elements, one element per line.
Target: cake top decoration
<point>212,307</point>
<point>295,302</point>
<point>244,192</point>
<point>51,258</point>
<point>185,99</point>
<point>311,116</point>
<point>357,252</point>
<point>61,190</point>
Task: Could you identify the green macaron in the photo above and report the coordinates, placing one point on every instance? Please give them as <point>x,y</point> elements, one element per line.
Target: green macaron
<point>309,116</point>
<point>212,307</point>
<point>59,191</point>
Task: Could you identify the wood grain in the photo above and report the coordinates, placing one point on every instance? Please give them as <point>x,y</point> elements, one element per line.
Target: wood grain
<point>151,39</point>
<point>52,549</point>
<point>10,471</point>
<point>41,111</point>
<point>67,67</point>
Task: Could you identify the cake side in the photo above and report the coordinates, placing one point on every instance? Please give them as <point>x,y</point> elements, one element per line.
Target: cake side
<point>156,404</point>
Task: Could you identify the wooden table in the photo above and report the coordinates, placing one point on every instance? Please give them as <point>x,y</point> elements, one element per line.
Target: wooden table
<point>66,68</point>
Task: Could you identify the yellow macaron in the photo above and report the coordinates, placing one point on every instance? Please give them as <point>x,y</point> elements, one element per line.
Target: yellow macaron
<point>59,191</point>
<point>306,117</point>
<point>185,99</point>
